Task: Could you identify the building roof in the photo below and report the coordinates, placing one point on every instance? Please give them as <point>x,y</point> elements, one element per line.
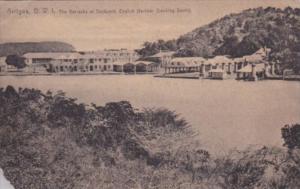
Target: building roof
<point>186,62</point>
<point>219,60</point>
<point>90,56</point>
<point>52,55</point>
<point>263,51</point>
<point>118,63</point>
<point>255,58</point>
<point>237,60</point>
<point>144,62</point>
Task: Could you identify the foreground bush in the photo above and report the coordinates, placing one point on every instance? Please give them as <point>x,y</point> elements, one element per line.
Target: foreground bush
<point>50,141</point>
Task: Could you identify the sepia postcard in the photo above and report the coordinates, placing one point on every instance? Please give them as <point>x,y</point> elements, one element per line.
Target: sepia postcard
<point>150,94</point>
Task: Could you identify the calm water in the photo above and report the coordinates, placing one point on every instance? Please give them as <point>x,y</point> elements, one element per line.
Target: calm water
<point>227,114</point>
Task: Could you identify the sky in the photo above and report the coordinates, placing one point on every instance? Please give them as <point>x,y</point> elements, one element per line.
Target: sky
<point>124,28</point>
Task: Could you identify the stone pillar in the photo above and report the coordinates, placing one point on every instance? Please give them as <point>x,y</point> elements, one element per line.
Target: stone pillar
<point>229,67</point>
<point>235,67</point>
<point>238,75</point>
<point>253,72</point>
<point>278,68</point>
<point>272,68</point>
<point>266,69</point>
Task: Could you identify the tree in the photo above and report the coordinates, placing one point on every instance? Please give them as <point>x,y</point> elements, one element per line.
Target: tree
<point>16,61</point>
<point>291,136</point>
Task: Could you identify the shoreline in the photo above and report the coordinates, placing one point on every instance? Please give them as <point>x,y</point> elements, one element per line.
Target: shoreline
<point>70,74</point>
<point>155,74</point>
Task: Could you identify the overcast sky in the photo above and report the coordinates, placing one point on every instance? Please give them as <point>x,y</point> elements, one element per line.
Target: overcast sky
<point>98,31</point>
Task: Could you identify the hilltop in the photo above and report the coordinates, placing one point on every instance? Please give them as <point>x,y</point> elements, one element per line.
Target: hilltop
<point>240,34</point>
<point>22,48</point>
<point>244,33</point>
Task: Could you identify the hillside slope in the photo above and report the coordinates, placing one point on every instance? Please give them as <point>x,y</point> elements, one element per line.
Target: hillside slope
<point>240,34</point>
<point>21,48</point>
<point>243,33</point>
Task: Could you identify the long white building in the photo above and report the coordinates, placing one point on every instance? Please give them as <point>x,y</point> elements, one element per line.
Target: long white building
<point>96,61</point>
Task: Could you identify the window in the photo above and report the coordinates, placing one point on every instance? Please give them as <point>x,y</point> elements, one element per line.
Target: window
<point>91,60</point>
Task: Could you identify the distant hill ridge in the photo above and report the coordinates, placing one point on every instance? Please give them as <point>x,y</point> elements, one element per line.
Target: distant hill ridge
<point>25,47</point>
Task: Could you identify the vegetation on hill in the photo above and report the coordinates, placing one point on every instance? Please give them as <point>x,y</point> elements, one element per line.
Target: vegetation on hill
<point>241,34</point>
<point>22,48</point>
<point>16,61</point>
<point>50,141</point>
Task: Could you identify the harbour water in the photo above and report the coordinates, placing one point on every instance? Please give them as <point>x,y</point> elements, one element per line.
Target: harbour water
<point>226,114</point>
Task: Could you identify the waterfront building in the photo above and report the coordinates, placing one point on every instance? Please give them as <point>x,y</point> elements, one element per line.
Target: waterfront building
<point>67,62</point>
<point>250,67</point>
<point>51,61</point>
<point>257,66</point>
<point>252,72</point>
<point>136,67</point>
<point>162,57</point>
<point>184,64</point>
<point>218,67</point>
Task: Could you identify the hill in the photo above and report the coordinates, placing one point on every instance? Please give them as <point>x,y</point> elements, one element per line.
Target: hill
<point>240,34</point>
<point>22,48</point>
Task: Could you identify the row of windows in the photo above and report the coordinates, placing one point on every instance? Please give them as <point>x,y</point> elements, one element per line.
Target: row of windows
<point>40,60</point>
<point>117,54</point>
<point>76,68</point>
<point>90,60</point>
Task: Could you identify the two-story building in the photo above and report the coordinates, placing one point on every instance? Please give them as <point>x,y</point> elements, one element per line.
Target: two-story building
<point>94,61</point>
